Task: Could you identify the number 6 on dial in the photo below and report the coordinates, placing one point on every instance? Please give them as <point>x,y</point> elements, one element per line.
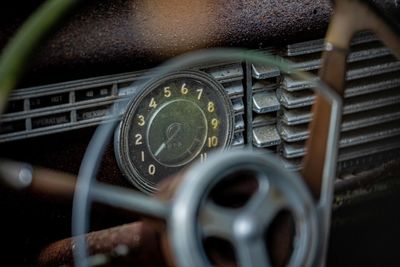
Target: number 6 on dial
<point>177,119</point>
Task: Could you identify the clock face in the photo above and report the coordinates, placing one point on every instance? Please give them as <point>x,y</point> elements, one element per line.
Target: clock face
<point>174,121</point>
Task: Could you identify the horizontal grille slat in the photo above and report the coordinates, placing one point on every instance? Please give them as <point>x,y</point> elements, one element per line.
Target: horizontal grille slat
<point>371,118</point>
<point>314,46</point>
<point>84,103</point>
<point>64,107</point>
<point>350,121</point>
<point>352,105</point>
<point>307,64</point>
<point>354,137</point>
<point>372,84</point>
<point>371,121</point>
<point>356,71</point>
<point>264,102</point>
<point>266,136</point>
<point>264,119</point>
<point>265,72</point>
<point>296,116</point>
<point>295,151</point>
<point>226,73</point>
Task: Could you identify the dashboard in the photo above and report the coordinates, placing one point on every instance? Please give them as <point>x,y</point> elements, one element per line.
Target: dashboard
<point>96,68</point>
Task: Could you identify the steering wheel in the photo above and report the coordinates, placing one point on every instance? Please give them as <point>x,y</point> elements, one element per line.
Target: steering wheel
<point>189,213</point>
<point>191,216</point>
<point>195,216</point>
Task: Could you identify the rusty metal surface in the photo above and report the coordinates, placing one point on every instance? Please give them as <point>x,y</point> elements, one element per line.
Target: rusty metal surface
<point>368,178</point>
<point>109,36</point>
<point>103,37</point>
<point>146,243</point>
<point>128,245</point>
<point>279,236</point>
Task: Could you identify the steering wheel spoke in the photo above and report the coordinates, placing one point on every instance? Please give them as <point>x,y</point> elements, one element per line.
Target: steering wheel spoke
<point>217,221</point>
<point>252,253</point>
<point>269,199</point>
<point>128,199</point>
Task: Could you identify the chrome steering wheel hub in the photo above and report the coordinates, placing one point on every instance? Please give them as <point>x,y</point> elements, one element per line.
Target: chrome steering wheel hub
<point>195,216</point>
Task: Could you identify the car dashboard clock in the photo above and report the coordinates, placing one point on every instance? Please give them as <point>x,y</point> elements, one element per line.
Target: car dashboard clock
<point>173,121</point>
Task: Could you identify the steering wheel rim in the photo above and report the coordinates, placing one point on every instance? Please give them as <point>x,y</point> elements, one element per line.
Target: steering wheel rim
<point>88,189</point>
